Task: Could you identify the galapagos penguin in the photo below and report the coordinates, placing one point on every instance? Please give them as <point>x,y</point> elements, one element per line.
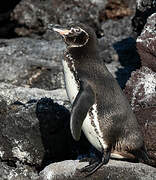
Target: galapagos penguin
<point>99,107</point>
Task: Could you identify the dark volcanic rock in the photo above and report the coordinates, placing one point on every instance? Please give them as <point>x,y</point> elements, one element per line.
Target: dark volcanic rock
<point>32,63</point>
<point>116,9</point>
<point>19,172</point>
<point>146,43</point>
<point>33,17</point>
<point>55,130</point>
<point>114,170</point>
<point>29,133</point>
<point>144,9</point>
<point>118,46</point>
<point>113,31</point>
<point>6,25</point>
<point>141,92</point>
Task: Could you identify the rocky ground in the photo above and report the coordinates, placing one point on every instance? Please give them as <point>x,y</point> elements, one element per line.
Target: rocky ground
<point>35,140</point>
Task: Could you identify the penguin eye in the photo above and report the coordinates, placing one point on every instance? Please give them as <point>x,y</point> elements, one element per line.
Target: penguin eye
<point>75,30</point>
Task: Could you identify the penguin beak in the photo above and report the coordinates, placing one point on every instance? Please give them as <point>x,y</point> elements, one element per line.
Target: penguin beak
<point>62,31</point>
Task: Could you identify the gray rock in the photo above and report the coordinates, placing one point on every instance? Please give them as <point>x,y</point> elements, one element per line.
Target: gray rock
<point>7,26</point>
<point>20,172</point>
<point>12,93</point>
<point>117,9</point>
<point>114,170</point>
<point>146,43</point>
<point>144,5</point>
<point>31,128</point>
<point>34,16</point>
<point>114,30</point>
<point>32,63</point>
<point>141,92</point>
<point>144,9</point>
<point>100,3</point>
<point>64,169</point>
<point>37,63</point>
<point>116,45</point>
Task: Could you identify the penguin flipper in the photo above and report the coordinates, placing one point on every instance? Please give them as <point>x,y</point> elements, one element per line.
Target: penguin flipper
<point>82,103</point>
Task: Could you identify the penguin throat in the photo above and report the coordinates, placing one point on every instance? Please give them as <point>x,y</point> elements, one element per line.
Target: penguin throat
<point>71,65</point>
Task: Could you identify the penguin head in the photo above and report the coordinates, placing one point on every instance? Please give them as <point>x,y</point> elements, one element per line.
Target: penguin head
<point>77,35</point>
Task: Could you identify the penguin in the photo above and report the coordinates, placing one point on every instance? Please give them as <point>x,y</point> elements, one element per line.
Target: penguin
<point>99,106</point>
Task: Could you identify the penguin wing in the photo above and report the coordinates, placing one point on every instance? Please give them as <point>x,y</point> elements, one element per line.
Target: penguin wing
<point>82,103</point>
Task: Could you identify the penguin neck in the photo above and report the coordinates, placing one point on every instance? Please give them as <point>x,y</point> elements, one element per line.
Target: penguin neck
<point>86,51</point>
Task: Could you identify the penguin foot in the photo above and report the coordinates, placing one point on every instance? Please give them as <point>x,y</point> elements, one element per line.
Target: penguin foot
<point>91,168</point>
<point>88,159</point>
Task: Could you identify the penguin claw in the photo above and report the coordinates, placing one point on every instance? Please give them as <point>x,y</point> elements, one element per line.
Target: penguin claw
<point>87,159</point>
<point>89,168</point>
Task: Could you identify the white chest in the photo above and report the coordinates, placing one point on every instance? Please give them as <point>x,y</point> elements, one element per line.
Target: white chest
<point>70,82</point>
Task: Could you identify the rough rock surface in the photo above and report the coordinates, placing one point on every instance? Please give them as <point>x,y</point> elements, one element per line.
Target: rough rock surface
<point>29,62</point>
<point>113,31</point>
<point>118,46</point>
<point>146,43</point>
<point>32,63</point>
<point>6,25</point>
<point>117,9</point>
<point>34,16</point>
<point>144,8</point>
<point>33,130</point>
<point>141,92</point>
<point>17,171</point>
<point>114,170</point>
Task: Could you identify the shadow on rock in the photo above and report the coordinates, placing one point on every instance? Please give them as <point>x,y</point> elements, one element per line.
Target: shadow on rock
<point>54,127</point>
<point>128,58</point>
<point>58,143</point>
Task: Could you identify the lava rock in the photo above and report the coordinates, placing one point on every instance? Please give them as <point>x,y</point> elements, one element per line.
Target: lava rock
<point>30,132</point>
<point>33,17</point>
<point>144,5</point>
<point>144,8</point>
<point>113,31</point>
<point>6,25</point>
<point>117,9</point>
<point>146,43</point>
<point>55,130</point>
<point>114,170</point>
<point>19,172</point>
<point>37,63</point>
<point>117,46</point>
<point>100,3</point>
<point>32,63</point>
<point>76,11</point>
<point>141,92</point>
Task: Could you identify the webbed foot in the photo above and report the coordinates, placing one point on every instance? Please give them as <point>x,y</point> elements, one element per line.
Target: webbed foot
<point>97,163</point>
